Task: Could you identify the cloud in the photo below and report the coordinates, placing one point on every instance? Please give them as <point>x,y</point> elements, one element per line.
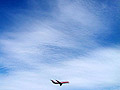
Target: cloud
<point>66,31</point>
<point>26,47</point>
<point>61,46</point>
<point>94,71</point>
<point>25,80</point>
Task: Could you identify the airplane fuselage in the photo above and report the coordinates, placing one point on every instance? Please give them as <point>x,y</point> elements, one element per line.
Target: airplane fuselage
<point>58,82</point>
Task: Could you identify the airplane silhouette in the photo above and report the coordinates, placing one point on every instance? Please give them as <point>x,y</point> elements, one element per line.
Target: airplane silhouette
<point>58,82</point>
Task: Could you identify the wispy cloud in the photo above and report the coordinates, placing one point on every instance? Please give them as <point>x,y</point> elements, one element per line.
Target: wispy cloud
<point>97,70</point>
<point>61,46</point>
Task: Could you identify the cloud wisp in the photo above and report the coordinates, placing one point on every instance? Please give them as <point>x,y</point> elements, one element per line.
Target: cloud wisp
<point>62,46</point>
<point>98,70</point>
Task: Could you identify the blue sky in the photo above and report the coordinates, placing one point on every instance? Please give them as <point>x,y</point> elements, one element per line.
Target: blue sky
<point>75,40</point>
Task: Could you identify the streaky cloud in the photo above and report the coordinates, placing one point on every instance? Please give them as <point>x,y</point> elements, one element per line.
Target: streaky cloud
<point>38,48</point>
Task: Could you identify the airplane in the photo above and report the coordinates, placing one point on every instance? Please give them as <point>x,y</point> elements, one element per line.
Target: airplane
<point>58,82</point>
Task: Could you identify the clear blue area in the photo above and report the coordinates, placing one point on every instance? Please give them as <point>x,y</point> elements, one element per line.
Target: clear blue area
<point>8,7</point>
<point>3,70</point>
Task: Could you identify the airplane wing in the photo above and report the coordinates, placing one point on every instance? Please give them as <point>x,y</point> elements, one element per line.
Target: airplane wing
<point>54,82</point>
<point>59,82</point>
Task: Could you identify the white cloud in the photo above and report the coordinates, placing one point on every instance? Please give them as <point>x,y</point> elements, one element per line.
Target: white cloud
<point>27,49</point>
<point>97,70</point>
<point>33,36</point>
<point>29,80</point>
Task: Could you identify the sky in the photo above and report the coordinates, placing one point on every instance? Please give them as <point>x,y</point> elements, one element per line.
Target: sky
<point>67,40</point>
